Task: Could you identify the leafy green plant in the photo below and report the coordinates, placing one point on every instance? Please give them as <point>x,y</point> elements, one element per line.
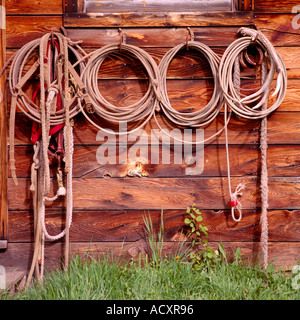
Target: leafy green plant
<point>202,254</point>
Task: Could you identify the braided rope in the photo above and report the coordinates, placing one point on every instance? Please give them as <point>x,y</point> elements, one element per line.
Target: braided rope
<point>243,106</point>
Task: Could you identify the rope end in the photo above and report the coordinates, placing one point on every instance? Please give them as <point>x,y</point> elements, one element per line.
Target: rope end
<point>61,191</point>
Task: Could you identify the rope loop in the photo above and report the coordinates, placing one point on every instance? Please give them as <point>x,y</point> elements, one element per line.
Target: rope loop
<point>190,34</point>
<point>139,112</point>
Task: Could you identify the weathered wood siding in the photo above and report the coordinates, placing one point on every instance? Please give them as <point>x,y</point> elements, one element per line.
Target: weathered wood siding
<point>108,205</point>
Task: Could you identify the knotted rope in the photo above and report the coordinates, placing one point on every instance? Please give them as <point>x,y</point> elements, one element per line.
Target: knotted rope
<point>253,106</point>
<point>58,80</point>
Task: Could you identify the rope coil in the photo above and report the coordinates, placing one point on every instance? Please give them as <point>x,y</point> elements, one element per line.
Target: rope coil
<point>140,111</point>
<point>253,106</point>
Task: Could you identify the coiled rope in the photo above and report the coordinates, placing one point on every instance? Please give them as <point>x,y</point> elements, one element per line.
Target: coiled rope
<point>203,116</point>
<point>253,106</point>
<point>139,112</point>
<point>58,81</point>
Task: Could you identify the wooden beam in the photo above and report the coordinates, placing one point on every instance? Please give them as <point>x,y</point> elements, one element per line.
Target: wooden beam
<point>157,19</point>
<point>3,141</point>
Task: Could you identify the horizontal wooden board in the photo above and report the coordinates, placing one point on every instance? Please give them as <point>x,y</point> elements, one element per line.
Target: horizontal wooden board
<point>189,64</point>
<point>22,29</point>
<point>282,254</point>
<point>210,162</point>
<point>126,6</point>
<point>278,28</point>
<point>153,37</point>
<point>274,6</point>
<point>162,193</point>
<point>283,128</point>
<point>128,225</point>
<point>157,19</point>
<point>34,7</point>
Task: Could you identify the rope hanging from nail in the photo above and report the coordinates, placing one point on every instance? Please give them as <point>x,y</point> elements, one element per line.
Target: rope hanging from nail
<point>59,89</point>
<point>138,113</point>
<point>203,116</point>
<point>253,106</point>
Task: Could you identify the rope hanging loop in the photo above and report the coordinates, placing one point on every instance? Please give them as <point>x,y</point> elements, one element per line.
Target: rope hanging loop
<point>190,34</point>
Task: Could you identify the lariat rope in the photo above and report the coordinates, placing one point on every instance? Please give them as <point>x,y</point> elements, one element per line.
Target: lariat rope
<point>58,79</point>
<point>253,106</point>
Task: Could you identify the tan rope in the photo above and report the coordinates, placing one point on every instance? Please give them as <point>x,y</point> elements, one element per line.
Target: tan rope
<point>142,110</point>
<point>47,116</point>
<point>243,106</point>
<point>208,113</point>
<point>264,177</point>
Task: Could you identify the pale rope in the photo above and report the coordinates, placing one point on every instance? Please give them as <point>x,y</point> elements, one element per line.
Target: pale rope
<point>69,198</point>
<point>44,179</point>
<point>17,78</point>
<point>260,110</point>
<point>264,177</point>
<point>199,118</point>
<point>235,204</point>
<point>37,222</point>
<point>232,96</point>
<point>140,111</point>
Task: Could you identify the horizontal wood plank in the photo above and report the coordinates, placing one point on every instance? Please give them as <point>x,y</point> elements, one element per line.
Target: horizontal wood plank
<point>128,225</point>
<point>157,19</point>
<point>34,7</point>
<point>162,193</point>
<point>274,6</point>
<point>283,128</point>
<point>282,254</point>
<point>157,6</point>
<point>278,28</point>
<point>22,29</point>
<point>153,37</point>
<point>211,162</point>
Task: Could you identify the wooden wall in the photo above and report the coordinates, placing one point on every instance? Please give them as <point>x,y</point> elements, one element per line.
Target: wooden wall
<point>108,205</point>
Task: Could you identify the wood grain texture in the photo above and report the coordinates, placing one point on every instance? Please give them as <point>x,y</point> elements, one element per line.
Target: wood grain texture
<point>157,19</point>
<point>282,254</point>
<point>274,6</point>
<point>22,29</point>
<point>34,7</point>
<point>128,225</point>
<point>163,193</point>
<point>157,6</point>
<point>244,160</point>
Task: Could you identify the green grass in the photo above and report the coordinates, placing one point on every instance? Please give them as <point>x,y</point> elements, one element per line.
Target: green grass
<point>172,279</point>
<point>161,277</point>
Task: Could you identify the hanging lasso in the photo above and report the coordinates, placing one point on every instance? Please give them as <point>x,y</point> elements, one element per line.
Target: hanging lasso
<point>253,106</point>
<point>58,81</point>
<point>208,113</point>
<point>139,112</point>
